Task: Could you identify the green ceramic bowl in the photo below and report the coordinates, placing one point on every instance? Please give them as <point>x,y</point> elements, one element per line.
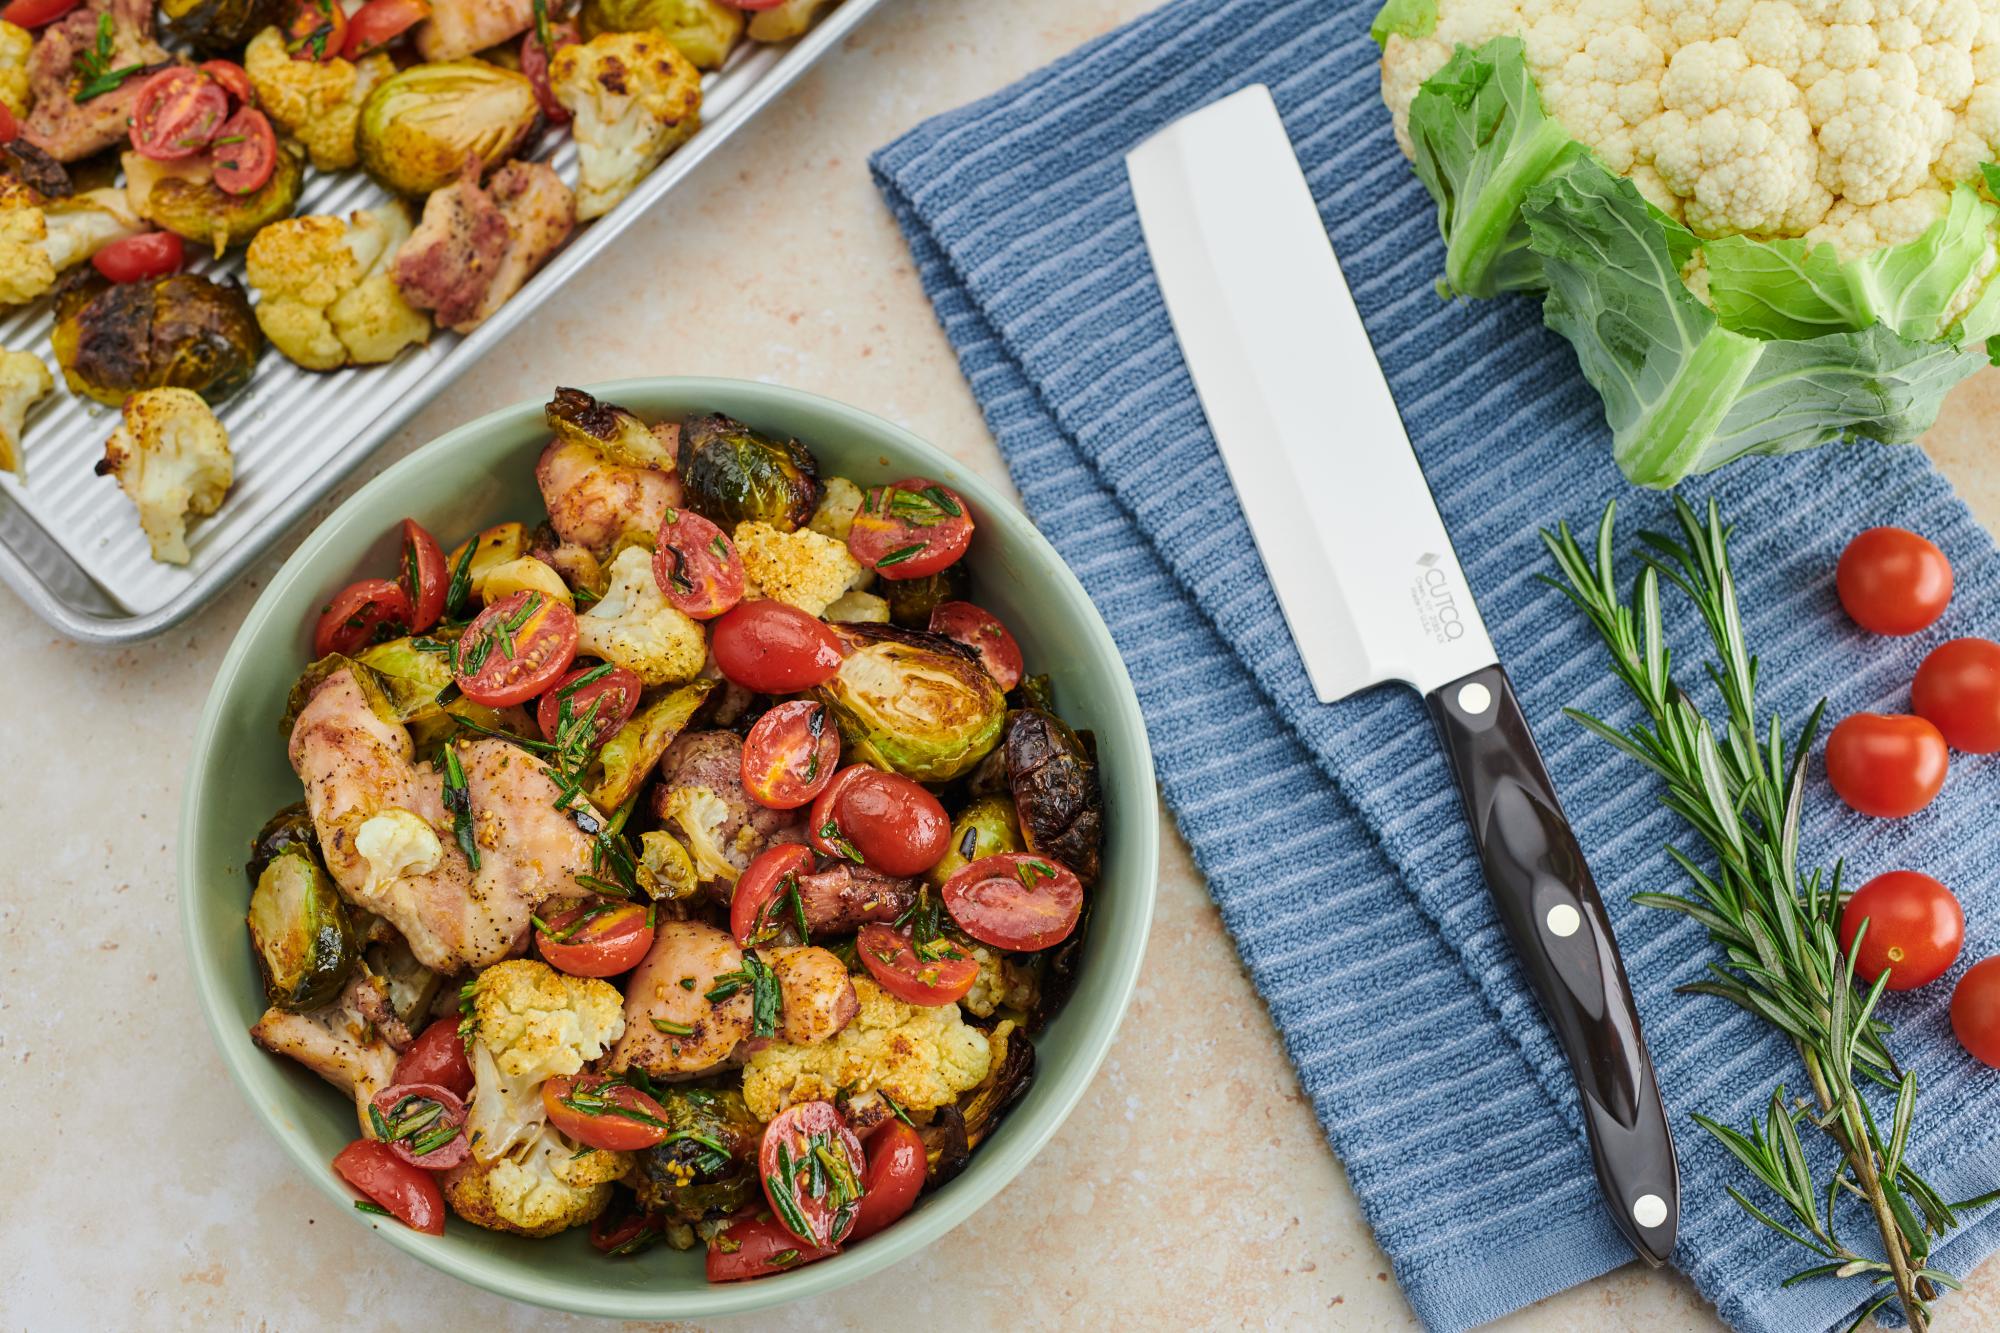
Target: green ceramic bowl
<point>482,474</point>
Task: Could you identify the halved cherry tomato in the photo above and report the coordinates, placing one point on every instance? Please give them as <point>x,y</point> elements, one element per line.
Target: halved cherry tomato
<point>697,566</point>
<point>981,630</point>
<point>773,648</point>
<point>10,129</point>
<point>892,960</point>
<point>1915,929</point>
<point>629,1234</point>
<point>602,940</point>
<point>1957,690</point>
<point>178,113</point>
<point>601,1112</point>
<point>423,1123</point>
<point>757,1247</point>
<point>814,1173</point>
<point>1886,765</point>
<point>379,22</point>
<point>232,79</point>
<point>761,888</point>
<point>896,1169</point>
<point>611,690</point>
<point>515,649</point>
<point>790,755</point>
<point>1014,900</point>
<point>410,1193</point>
<point>535,64</point>
<point>437,1056</point>
<point>34,13</point>
<point>909,529</point>
<point>317,30</point>
<point>150,254</point>
<point>823,829</point>
<point>246,152</point>
<point>897,826</point>
<point>423,576</point>
<point>1893,581</point>
<point>1975,1011</point>
<point>370,611</point>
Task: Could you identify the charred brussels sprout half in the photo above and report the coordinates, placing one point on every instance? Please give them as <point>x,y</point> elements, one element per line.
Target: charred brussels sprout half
<point>627,759</point>
<point>1055,790</point>
<point>707,1165</point>
<point>608,428</point>
<point>419,125</point>
<point>203,212</point>
<point>217,27</point>
<point>300,929</point>
<point>182,331</point>
<point>985,827</point>
<point>290,827</point>
<point>410,680</point>
<point>701,30</point>
<point>911,601</point>
<point>914,703</point>
<point>732,475</point>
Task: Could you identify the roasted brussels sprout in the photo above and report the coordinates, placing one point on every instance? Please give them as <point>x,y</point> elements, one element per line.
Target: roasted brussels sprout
<point>707,1165</point>
<point>732,474</point>
<point>1034,692</point>
<point>608,428</point>
<point>915,703</point>
<point>409,679</point>
<point>217,27</point>
<point>912,600</point>
<point>1055,790</point>
<point>983,828</point>
<point>300,928</point>
<point>290,827</point>
<point>959,1128</point>
<point>413,988</point>
<point>702,30</point>
<point>181,331</point>
<point>665,869</point>
<point>418,126</point>
<point>195,207</point>
<point>627,759</point>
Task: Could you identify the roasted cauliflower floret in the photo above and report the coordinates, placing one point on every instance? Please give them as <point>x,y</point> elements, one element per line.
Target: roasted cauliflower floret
<point>171,457</point>
<point>635,626</point>
<point>326,297</point>
<point>15,43</point>
<point>316,102</point>
<point>697,815</point>
<point>540,1188</point>
<point>805,568</point>
<point>922,1056</point>
<point>527,1023</point>
<point>839,501</point>
<point>23,381</point>
<point>634,98</point>
<point>40,238</point>
<point>1000,984</point>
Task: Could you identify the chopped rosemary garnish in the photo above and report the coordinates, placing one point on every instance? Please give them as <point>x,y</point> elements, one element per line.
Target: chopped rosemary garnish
<point>370,1206</point>
<point>766,997</point>
<point>458,800</point>
<point>1032,872</point>
<point>93,67</point>
<point>895,1109</point>
<point>902,553</point>
<point>461,582</point>
<point>674,1029</point>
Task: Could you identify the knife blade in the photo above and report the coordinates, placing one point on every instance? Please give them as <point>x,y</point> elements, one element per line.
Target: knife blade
<point>1372,590</point>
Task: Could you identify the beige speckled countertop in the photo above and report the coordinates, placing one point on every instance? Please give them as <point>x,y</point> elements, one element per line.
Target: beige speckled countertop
<point>140,1193</point>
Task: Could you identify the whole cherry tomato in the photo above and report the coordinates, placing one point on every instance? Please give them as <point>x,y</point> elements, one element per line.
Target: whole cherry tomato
<point>814,1173</point>
<point>1915,929</point>
<point>896,826</point>
<point>891,958</point>
<point>757,1247</point>
<point>150,254</point>
<point>896,1169</point>
<point>362,613</point>
<point>1975,1011</point>
<point>601,1112</point>
<point>515,649</point>
<point>437,1056</point>
<point>410,1193</point>
<point>696,565</point>
<point>1886,765</point>
<point>791,754</point>
<point>603,940</point>
<point>423,577</point>
<point>981,630</point>
<point>910,528</point>
<point>1892,581</point>
<point>35,13</point>
<point>1958,691</point>
<point>772,648</point>
<point>757,901</point>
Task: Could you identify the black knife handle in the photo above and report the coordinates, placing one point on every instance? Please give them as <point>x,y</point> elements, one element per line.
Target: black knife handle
<point>1551,910</point>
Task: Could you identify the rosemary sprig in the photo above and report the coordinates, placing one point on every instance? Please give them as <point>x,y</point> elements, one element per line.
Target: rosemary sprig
<point>1741,789</point>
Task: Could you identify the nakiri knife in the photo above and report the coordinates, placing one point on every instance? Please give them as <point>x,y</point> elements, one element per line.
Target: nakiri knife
<point>1372,590</point>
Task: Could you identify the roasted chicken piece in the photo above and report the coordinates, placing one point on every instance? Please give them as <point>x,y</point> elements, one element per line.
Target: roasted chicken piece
<point>62,126</point>
<point>352,1043</point>
<point>844,897</point>
<point>725,833</point>
<point>593,501</point>
<point>459,28</point>
<point>478,244</point>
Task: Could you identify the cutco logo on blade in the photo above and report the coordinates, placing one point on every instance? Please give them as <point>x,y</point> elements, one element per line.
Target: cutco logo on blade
<point>1437,605</point>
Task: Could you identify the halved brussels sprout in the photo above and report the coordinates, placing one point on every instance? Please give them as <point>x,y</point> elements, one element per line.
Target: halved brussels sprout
<point>413,988</point>
<point>1055,790</point>
<point>409,680</point>
<point>608,428</point>
<point>914,703</point>
<point>418,125</point>
<point>290,827</point>
<point>300,928</point>
<point>731,475</point>
<point>707,1165</point>
<point>665,869</point>
<point>912,600</point>
<point>983,828</point>
<point>217,27</point>
<point>627,759</point>
<point>701,30</point>
<point>196,208</point>
<point>181,331</point>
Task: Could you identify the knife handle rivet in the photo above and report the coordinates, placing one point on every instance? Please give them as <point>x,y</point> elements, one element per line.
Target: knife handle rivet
<point>1564,920</point>
<point>1474,698</point>
<point>1649,1210</point>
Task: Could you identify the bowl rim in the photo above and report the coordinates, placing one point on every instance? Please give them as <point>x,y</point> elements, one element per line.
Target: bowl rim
<point>1000,1162</point>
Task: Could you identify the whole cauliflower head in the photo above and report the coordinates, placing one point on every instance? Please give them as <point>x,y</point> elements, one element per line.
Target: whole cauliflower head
<point>326,299</point>
<point>23,382</point>
<point>807,569</point>
<point>526,1023</point>
<point>635,626</point>
<point>171,458</point>
<point>633,98</point>
<point>15,43</point>
<point>317,102</point>
<point>923,1056</point>
<point>539,1188</point>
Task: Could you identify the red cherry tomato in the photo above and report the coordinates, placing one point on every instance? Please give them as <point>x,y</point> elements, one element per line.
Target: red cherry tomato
<point>150,254</point>
<point>1014,900</point>
<point>410,1193</point>
<point>423,1123</point>
<point>981,630</point>
<point>599,941</point>
<point>757,1247</point>
<point>1886,765</point>
<point>232,79</point>
<point>629,1234</point>
<point>1915,928</point>
<point>697,566</point>
<point>896,1169</point>
<point>790,755</point>
<point>612,690</point>
<point>437,1056</point>
<point>317,30</point>
<point>910,528</point>
<point>773,648</point>
<point>599,1112</point>
<point>423,577</point>
<point>892,960</point>
<point>1975,1011</point>
<point>823,829</point>
<point>535,64</point>
<point>897,826</point>
<point>1957,690</point>
<point>178,112</point>
<point>379,22</point>
<point>246,152</point>
<point>757,901</point>
<point>34,13</point>
<point>10,129</point>
<point>814,1173</point>
<point>515,649</point>
<point>370,611</point>
<point>1892,581</point>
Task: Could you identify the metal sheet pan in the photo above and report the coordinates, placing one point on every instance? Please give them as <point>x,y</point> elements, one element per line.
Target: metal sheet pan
<point>70,544</point>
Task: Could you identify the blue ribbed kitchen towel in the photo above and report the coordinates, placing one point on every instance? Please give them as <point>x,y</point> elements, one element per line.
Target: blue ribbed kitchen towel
<point>1331,836</point>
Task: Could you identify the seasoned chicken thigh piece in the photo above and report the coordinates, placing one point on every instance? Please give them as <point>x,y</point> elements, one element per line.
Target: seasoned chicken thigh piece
<point>69,130</point>
<point>671,984</point>
<point>352,1043</point>
<point>593,501</point>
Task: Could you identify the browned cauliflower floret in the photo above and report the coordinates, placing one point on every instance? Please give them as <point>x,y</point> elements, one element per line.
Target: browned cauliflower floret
<point>635,625</point>
<point>540,1188</point>
<point>317,102</point>
<point>635,98</point>
<point>807,569</point>
<point>40,238</point>
<point>23,381</point>
<point>923,1056</point>
<point>171,457</point>
<point>15,43</point>
<point>326,299</point>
